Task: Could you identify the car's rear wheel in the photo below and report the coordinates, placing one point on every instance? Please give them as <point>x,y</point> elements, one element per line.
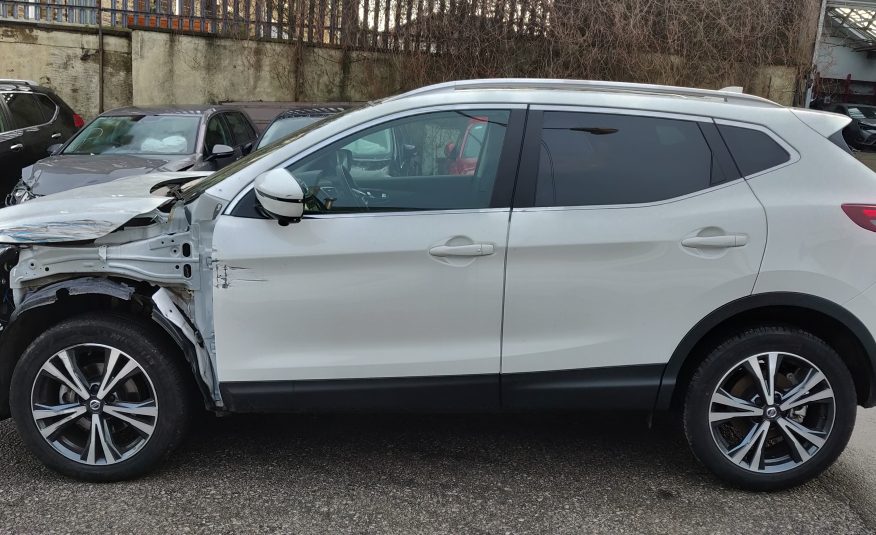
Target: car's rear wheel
<point>770,408</point>
<point>100,398</point>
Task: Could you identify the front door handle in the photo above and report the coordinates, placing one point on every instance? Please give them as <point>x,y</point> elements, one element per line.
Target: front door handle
<point>56,135</point>
<point>16,148</point>
<point>474,249</point>
<point>715,242</point>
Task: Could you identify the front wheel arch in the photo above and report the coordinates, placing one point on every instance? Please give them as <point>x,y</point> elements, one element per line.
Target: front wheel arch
<point>825,319</point>
<point>60,304</point>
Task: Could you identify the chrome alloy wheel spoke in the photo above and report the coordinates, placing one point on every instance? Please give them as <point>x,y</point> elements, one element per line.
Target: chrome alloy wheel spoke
<point>94,404</point>
<point>771,412</point>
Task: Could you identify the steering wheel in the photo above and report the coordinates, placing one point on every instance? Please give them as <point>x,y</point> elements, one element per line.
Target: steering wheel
<point>343,162</point>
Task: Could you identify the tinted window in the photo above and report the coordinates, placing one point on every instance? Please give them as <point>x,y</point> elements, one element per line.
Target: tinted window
<point>240,127</point>
<point>402,165</point>
<point>217,134</point>
<point>25,109</point>
<point>283,127</point>
<point>47,106</point>
<point>752,150</point>
<point>595,159</point>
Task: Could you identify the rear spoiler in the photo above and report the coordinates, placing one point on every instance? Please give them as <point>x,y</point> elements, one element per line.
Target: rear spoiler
<point>823,122</point>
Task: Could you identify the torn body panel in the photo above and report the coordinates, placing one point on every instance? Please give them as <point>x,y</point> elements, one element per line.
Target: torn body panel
<point>159,260</point>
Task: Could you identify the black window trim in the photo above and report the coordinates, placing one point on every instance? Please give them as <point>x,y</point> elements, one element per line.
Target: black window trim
<point>506,175</point>
<point>793,155</point>
<point>528,170</point>
<point>35,95</point>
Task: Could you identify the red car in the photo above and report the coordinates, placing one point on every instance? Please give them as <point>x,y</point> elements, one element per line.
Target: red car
<point>462,157</point>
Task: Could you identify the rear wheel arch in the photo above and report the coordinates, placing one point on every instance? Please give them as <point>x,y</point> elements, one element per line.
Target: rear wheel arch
<point>825,319</point>
<point>77,297</point>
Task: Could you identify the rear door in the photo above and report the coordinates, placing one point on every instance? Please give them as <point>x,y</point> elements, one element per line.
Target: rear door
<point>627,230</point>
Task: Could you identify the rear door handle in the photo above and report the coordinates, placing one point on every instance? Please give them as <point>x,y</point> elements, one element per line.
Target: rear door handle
<point>475,249</point>
<point>56,135</point>
<point>16,148</point>
<point>715,242</point>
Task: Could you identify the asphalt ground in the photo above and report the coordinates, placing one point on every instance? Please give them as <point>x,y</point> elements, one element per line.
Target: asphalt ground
<point>536,473</point>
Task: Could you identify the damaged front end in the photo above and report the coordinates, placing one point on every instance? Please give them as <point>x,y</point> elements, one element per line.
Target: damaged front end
<point>117,247</point>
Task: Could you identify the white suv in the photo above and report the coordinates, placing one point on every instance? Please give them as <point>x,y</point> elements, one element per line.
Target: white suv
<point>477,245</point>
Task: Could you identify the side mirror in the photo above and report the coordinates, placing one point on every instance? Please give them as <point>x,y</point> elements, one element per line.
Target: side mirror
<point>280,195</point>
<point>54,149</point>
<point>219,151</point>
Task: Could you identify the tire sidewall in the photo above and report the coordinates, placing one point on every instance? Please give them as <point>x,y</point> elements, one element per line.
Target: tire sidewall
<point>730,354</point>
<point>138,342</point>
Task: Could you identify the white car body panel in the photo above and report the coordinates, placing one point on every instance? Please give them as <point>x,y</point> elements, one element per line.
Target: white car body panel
<point>814,247</point>
<point>613,286</point>
<point>356,296</point>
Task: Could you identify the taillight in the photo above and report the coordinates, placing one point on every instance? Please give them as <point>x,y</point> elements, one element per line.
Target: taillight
<point>78,121</point>
<point>864,215</point>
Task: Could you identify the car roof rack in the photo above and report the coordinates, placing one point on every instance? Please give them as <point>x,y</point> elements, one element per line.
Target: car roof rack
<point>15,81</point>
<point>730,94</point>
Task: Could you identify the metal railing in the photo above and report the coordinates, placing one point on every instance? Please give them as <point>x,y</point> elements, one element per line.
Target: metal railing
<point>411,25</point>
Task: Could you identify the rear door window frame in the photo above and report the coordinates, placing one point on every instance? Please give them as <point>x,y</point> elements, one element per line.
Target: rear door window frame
<point>525,193</point>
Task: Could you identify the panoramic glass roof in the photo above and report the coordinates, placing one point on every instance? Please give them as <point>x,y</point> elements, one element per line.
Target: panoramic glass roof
<point>855,23</point>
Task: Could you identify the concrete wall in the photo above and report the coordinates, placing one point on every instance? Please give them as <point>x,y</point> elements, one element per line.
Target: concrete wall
<point>152,67</point>
<point>66,60</point>
<point>183,69</point>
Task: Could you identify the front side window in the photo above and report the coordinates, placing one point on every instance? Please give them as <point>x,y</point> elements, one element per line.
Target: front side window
<point>217,134</point>
<point>137,134</point>
<point>401,166</point>
<point>240,127</point>
<point>25,109</point>
<point>604,159</point>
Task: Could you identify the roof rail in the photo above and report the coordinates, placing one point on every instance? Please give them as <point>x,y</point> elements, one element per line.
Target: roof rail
<point>14,81</point>
<point>727,94</point>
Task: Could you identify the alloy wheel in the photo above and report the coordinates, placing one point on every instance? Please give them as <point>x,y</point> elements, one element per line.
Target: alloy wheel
<point>772,412</point>
<point>94,404</point>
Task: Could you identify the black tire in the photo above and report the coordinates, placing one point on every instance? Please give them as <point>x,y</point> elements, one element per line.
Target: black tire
<point>142,343</point>
<point>726,359</point>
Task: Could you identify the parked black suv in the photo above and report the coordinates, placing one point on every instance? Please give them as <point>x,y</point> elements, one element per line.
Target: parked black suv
<point>291,121</point>
<point>32,119</point>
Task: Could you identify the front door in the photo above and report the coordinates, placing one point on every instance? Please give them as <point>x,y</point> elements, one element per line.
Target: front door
<point>395,271</point>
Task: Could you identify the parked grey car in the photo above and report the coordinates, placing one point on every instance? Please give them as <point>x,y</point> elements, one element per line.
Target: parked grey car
<point>135,141</point>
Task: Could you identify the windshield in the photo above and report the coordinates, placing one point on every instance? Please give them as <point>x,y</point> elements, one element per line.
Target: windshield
<point>862,112</point>
<point>283,127</point>
<point>137,134</point>
<point>192,190</point>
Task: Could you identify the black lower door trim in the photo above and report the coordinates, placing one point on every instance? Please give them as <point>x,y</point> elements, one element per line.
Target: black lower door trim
<point>621,387</point>
<point>461,393</point>
<point>616,387</point>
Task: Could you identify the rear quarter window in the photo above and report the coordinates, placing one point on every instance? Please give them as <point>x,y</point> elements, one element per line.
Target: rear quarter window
<point>752,150</point>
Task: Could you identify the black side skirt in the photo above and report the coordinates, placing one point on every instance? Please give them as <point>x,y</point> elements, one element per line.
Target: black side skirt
<point>622,387</point>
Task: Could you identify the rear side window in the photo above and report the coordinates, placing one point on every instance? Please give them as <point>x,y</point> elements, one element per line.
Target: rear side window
<point>25,109</point>
<point>48,107</point>
<point>600,159</point>
<point>752,150</point>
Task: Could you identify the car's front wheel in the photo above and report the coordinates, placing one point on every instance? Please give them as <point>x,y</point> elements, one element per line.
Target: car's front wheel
<point>100,398</point>
<point>770,408</point>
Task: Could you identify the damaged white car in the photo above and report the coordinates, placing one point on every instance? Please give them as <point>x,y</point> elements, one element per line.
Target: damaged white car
<point>471,246</point>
